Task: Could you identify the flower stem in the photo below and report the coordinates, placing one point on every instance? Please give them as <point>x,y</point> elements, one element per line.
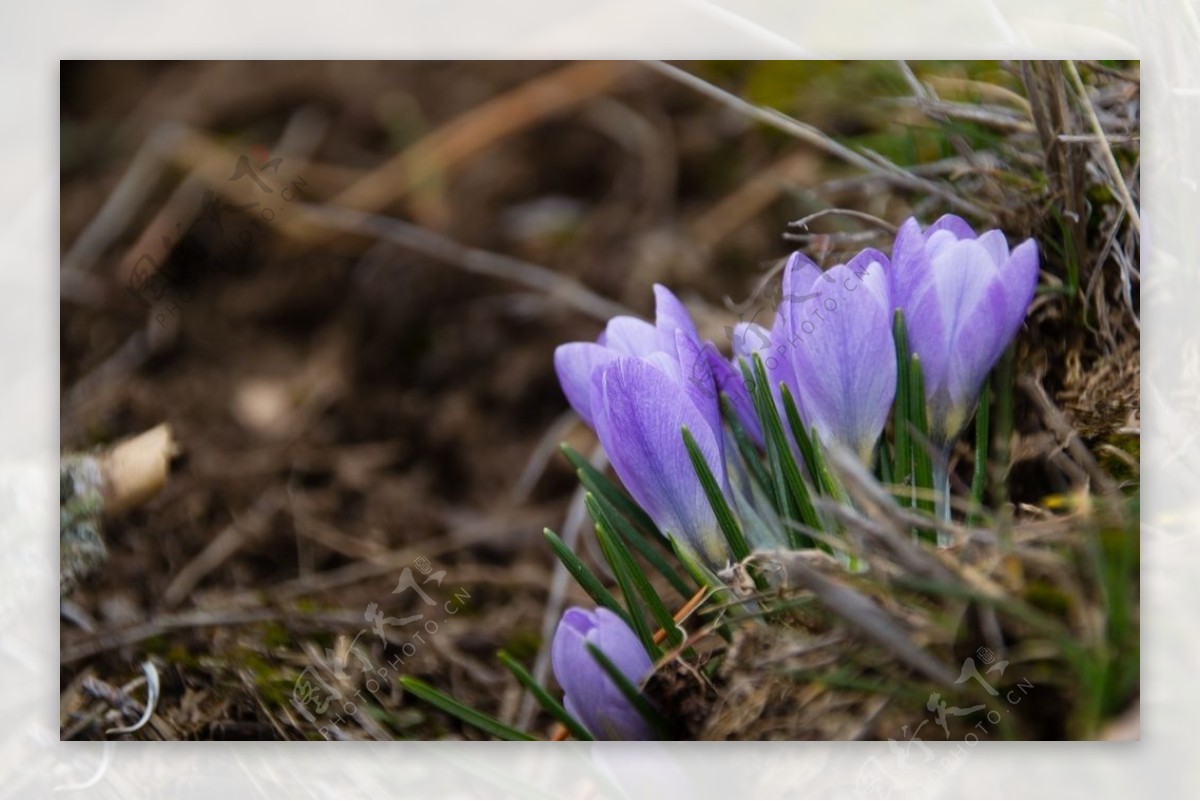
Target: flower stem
<point>941,486</point>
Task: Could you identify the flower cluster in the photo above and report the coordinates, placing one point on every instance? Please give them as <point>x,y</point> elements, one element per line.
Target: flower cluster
<point>963,296</point>
<point>832,346</point>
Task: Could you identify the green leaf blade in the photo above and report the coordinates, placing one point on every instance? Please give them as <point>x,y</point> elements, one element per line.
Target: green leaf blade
<point>461,711</point>
<point>633,583</point>
<point>552,707</point>
<point>586,578</point>
<point>730,527</point>
<point>632,694</point>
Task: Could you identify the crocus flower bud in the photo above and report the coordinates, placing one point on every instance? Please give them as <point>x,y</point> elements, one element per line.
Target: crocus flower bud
<point>629,336</point>
<point>728,379</point>
<point>640,415</point>
<point>589,695</point>
<point>833,342</point>
<point>964,298</point>
<point>638,387</point>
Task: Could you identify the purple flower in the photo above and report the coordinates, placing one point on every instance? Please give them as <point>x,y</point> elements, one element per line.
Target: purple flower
<point>964,298</point>
<point>638,387</point>
<point>728,380</point>
<point>640,414</point>
<point>771,346</point>
<point>589,695</point>
<point>832,346</point>
<point>672,344</point>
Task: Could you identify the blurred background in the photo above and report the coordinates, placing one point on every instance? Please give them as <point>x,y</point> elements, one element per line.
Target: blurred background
<point>341,285</point>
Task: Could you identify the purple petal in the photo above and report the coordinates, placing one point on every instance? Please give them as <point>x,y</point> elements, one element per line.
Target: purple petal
<point>778,363</point>
<point>729,380</point>
<point>748,339</point>
<point>1019,277</point>
<point>577,673</point>
<point>871,266</point>
<point>670,316</point>
<point>574,363</point>
<point>669,364</point>
<point>630,336</point>
<point>639,420</point>
<point>957,331</point>
<point>954,224</point>
<point>700,383</point>
<point>996,246</point>
<point>589,694</point>
<point>616,718</point>
<point>620,644</point>
<point>909,264</point>
<point>938,241</point>
<point>798,278</point>
<point>844,363</point>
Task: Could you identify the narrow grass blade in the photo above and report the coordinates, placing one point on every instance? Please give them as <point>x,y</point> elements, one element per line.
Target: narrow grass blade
<point>632,694</point>
<point>586,578</point>
<point>803,440</point>
<point>919,438</point>
<point>636,540</point>
<point>461,711</point>
<point>1001,437</point>
<point>716,499</point>
<point>617,555</point>
<point>787,461</point>
<point>552,707</point>
<point>786,506</point>
<point>810,450</point>
<point>598,484</point>
<point>705,578</point>
<point>1116,559</point>
<point>883,457</point>
<point>634,586</point>
<point>695,568</point>
<point>747,449</point>
<point>1070,257</point>
<point>902,467</point>
<point>979,478</point>
<point>796,502</point>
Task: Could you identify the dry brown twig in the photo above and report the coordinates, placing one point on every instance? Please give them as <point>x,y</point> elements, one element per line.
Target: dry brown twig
<point>209,163</point>
<point>818,139</point>
<point>1110,161</point>
<point>450,146</point>
<point>749,199</point>
<point>474,260</point>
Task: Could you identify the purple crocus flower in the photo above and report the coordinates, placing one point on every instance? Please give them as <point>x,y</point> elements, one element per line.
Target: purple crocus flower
<point>637,387</point>
<point>728,379</point>
<point>771,345</point>
<point>629,336</point>
<point>832,346</point>
<point>964,298</point>
<point>640,413</point>
<point>589,695</point>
